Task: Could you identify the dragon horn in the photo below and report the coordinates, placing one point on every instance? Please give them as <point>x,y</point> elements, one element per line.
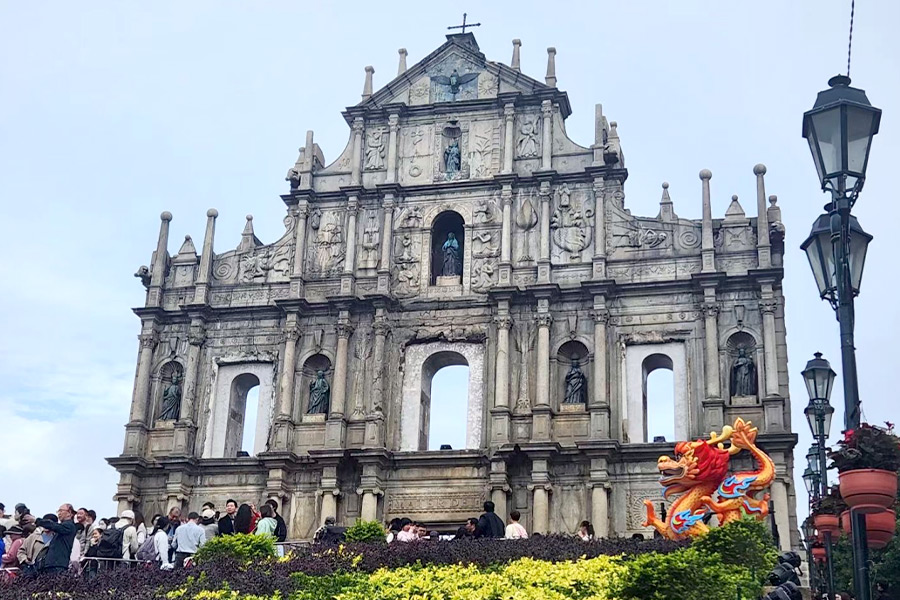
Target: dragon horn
<point>715,438</point>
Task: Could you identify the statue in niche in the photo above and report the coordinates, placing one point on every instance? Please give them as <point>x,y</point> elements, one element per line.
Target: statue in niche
<point>171,399</point>
<point>319,395</point>
<point>527,145</point>
<point>576,385</point>
<point>452,263</point>
<point>452,158</point>
<point>375,149</point>
<point>743,375</point>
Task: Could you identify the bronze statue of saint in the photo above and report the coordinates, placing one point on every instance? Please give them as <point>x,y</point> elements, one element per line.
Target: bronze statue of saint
<point>319,395</point>
<point>452,265</point>
<point>576,385</point>
<point>743,375</point>
<point>452,158</point>
<point>171,399</point>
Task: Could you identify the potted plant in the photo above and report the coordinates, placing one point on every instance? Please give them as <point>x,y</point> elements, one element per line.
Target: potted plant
<point>826,514</point>
<point>867,460</point>
<point>880,527</point>
<point>818,552</point>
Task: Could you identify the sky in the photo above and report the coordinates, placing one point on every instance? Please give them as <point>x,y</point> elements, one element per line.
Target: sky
<point>111,112</point>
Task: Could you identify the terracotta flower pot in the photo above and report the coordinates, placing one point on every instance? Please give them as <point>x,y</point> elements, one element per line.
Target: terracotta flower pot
<point>827,523</point>
<point>869,490</point>
<point>818,553</point>
<point>880,528</point>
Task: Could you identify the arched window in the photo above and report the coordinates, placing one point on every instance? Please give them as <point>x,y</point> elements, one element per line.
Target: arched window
<point>238,420</point>
<point>446,223</point>
<point>659,398</point>
<point>448,407</point>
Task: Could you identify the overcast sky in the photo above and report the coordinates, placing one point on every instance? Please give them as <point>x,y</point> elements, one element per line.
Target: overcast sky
<point>111,112</point>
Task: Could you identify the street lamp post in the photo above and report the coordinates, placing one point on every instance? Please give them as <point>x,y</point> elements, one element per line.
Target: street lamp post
<point>839,128</point>
<point>819,379</point>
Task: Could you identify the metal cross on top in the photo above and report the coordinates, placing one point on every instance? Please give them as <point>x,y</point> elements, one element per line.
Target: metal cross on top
<point>464,24</point>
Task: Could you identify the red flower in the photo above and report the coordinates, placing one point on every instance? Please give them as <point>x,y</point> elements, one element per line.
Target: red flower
<point>848,435</point>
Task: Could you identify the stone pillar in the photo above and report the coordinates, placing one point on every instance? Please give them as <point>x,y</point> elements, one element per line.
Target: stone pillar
<point>329,504</point>
<point>387,244</point>
<point>160,258</point>
<point>374,437</point>
<point>600,509</point>
<point>356,159</point>
<point>334,427</point>
<point>393,125</point>
<point>763,247</point>
<point>711,312</point>
<point>547,146</point>
<point>350,258</point>
<point>509,116</point>
<point>768,305</point>
<point>544,255</point>
<point>202,286</point>
<point>140,401</point>
<point>288,367</point>
<point>498,497</point>
<point>707,246</point>
<point>541,509</point>
<point>328,488</point>
<point>599,402</point>
<point>782,516</point>
<point>599,260</point>
<point>542,412</point>
<point>300,240</point>
<point>500,412</point>
<point>369,510</point>
<point>186,426</point>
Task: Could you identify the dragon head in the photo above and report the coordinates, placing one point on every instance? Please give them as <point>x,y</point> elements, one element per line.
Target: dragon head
<point>700,461</point>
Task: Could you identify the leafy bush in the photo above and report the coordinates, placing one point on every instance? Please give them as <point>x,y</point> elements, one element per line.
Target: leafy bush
<point>365,531</point>
<point>745,543</point>
<point>241,547</point>
<point>688,574</point>
<point>867,447</point>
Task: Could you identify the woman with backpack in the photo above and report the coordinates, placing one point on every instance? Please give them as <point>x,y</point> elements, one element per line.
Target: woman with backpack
<point>156,547</point>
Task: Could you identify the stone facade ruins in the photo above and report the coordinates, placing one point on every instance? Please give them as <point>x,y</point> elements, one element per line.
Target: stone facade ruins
<point>355,302</point>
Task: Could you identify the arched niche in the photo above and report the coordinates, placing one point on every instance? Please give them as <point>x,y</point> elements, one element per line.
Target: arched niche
<point>228,408</point>
<point>567,355</point>
<point>738,343</point>
<point>640,361</point>
<point>307,375</point>
<point>659,404</point>
<point>420,363</point>
<point>169,375</point>
<point>444,224</point>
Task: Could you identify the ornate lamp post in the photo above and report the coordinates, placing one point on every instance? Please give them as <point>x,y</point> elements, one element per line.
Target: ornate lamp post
<point>839,128</point>
<point>819,378</point>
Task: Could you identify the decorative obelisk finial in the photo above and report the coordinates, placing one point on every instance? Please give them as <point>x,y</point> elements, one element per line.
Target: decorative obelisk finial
<point>367,87</point>
<point>514,63</point>
<point>401,67</point>
<point>550,78</point>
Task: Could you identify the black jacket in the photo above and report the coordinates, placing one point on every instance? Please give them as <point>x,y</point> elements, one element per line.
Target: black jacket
<point>226,525</point>
<point>60,550</point>
<point>490,526</point>
<point>280,529</point>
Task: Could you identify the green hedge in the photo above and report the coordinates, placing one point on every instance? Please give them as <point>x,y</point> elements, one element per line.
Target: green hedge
<point>240,546</point>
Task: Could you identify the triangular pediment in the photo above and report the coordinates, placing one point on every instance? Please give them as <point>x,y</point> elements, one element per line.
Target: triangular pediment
<point>456,71</point>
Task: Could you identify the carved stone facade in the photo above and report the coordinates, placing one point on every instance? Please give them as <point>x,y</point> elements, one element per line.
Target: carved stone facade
<point>555,271</point>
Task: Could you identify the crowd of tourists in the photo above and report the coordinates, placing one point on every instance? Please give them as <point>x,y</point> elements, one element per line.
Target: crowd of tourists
<point>77,540</point>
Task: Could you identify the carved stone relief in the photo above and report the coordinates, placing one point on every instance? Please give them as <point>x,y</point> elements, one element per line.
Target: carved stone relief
<point>371,236</point>
<point>375,149</point>
<point>526,218</point>
<point>406,268</point>
<point>328,247</point>
<point>639,236</point>
<point>528,143</point>
<point>362,350</point>
<point>419,92</point>
<point>634,507</point>
<point>483,274</point>
<point>483,244</point>
<point>255,265</point>
<point>572,223</point>
<point>415,152</point>
<point>484,159</point>
<point>524,334</point>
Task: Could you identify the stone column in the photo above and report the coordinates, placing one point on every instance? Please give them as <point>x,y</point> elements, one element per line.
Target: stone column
<point>140,401</point>
<point>763,246</point>
<point>599,260</point>
<point>506,198</point>
<point>387,244</point>
<point>707,246</point>
<point>205,269</point>
<point>334,429</point>
<point>160,258</point>
<point>768,306</point>
<point>356,159</point>
<point>500,412</point>
<point>600,509</point>
<point>509,116</point>
<point>393,125</point>
<point>369,510</point>
<point>328,487</point>
<point>599,402</point>
<point>300,240</point>
<point>544,256</point>
<point>498,497</point>
<point>542,412</point>
<point>350,257</point>
<point>711,312</point>
<point>782,516</point>
<point>329,504</point>
<point>186,426</point>
<point>374,437</point>
<point>288,367</point>
<point>547,146</point>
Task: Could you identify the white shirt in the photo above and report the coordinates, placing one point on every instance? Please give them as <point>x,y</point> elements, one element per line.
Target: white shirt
<point>516,531</point>
<point>161,545</point>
